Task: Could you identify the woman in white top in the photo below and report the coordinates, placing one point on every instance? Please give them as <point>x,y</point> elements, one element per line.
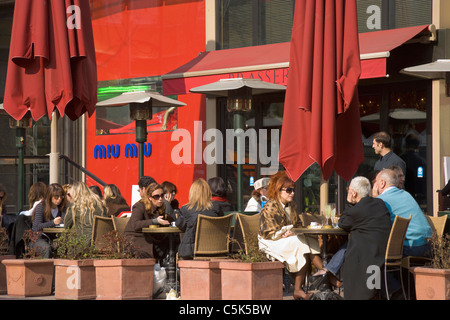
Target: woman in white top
<point>260,192</point>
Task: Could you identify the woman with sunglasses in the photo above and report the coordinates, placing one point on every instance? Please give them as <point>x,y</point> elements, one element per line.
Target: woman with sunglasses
<point>199,203</point>
<point>83,206</point>
<point>150,210</point>
<point>275,238</point>
<point>48,213</point>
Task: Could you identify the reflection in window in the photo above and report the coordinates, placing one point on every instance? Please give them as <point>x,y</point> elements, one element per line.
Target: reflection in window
<point>407,120</point>
<point>116,120</point>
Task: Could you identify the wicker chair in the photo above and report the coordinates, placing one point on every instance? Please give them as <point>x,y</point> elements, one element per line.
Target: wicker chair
<point>437,224</point>
<point>246,226</point>
<point>101,226</point>
<point>212,237</point>
<point>394,251</point>
<point>120,224</point>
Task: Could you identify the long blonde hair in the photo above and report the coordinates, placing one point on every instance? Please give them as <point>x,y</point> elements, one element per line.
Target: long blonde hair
<point>200,196</point>
<point>84,201</point>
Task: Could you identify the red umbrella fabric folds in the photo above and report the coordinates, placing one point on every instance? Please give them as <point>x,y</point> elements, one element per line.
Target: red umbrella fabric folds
<point>51,60</point>
<point>321,115</point>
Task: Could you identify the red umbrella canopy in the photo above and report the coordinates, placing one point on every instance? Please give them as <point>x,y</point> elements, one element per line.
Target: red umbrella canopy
<point>51,60</point>
<point>321,115</point>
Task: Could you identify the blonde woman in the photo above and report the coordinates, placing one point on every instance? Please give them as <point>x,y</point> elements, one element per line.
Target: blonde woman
<point>114,202</point>
<point>199,203</point>
<point>83,207</point>
<point>150,210</point>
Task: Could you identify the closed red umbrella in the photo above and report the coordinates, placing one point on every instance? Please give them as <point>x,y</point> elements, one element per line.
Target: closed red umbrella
<point>52,60</point>
<point>321,116</point>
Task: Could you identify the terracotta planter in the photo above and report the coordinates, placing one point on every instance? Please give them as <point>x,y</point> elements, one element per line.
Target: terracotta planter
<point>75,279</point>
<point>432,284</point>
<point>3,272</point>
<point>29,278</point>
<point>252,281</point>
<point>124,279</point>
<point>200,280</point>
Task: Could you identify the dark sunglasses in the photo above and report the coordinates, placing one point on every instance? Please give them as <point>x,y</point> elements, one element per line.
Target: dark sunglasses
<point>288,190</point>
<point>157,196</point>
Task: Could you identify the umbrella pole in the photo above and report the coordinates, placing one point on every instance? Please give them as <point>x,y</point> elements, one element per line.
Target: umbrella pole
<point>54,154</point>
<point>238,123</point>
<point>141,138</point>
<point>323,194</point>
<point>20,144</point>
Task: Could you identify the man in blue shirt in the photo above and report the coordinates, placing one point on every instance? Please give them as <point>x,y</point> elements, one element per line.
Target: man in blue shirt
<point>401,203</point>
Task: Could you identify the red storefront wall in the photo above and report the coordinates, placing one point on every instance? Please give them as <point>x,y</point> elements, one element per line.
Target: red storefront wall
<point>135,39</point>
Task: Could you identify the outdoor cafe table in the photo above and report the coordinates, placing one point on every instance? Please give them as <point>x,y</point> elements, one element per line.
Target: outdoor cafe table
<point>55,230</point>
<point>172,269</point>
<point>324,233</point>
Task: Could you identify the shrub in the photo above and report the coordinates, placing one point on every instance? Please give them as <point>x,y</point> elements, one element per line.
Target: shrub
<point>73,245</point>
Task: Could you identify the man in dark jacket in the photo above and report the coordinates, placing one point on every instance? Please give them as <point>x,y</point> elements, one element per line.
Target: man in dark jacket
<point>369,225</point>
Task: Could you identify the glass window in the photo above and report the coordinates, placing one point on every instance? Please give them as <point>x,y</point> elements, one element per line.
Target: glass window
<point>402,112</point>
<point>255,22</point>
<point>374,15</point>
<point>258,22</point>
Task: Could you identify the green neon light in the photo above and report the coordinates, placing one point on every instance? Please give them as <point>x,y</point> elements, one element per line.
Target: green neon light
<point>121,89</point>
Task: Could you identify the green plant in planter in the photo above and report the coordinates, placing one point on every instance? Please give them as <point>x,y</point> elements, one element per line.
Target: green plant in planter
<point>118,247</point>
<point>30,238</point>
<point>440,248</point>
<point>253,253</point>
<point>73,245</point>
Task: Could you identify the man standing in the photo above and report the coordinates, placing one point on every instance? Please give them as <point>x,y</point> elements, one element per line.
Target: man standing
<point>369,224</point>
<point>401,203</point>
<point>382,146</point>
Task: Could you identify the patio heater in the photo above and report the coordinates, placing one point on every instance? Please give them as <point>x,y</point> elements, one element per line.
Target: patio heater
<point>439,69</point>
<point>239,93</point>
<point>141,103</point>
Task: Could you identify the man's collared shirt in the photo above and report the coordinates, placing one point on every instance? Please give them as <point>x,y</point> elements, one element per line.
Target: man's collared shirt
<point>390,159</point>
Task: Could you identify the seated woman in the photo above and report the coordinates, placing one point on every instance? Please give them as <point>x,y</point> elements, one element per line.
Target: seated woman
<point>219,193</point>
<point>114,202</point>
<point>199,203</point>
<point>150,210</point>
<point>84,205</point>
<point>35,196</point>
<point>277,240</point>
<point>47,214</point>
<point>170,190</point>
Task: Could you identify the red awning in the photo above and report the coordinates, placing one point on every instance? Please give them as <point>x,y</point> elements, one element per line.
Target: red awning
<point>271,62</point>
